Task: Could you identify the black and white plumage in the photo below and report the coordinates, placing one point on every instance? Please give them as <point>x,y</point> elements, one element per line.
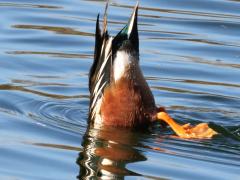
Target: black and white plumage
<point>99,76</point>
<point>116,59</point>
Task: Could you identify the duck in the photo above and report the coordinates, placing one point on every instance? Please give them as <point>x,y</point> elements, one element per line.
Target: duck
<point>119,94</point>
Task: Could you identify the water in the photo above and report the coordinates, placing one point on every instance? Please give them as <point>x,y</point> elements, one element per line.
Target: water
<point>189,55</point>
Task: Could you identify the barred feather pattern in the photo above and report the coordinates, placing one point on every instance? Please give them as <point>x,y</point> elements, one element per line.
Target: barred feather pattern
<point>102,81</point>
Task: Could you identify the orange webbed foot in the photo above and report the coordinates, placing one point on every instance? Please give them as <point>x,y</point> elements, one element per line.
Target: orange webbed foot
<point>200,131</point>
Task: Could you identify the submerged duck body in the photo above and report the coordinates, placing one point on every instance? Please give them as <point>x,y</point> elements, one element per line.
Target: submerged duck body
<point>119,94</point>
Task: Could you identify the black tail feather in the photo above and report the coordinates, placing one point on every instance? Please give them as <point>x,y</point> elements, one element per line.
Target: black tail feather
<point>129,32</point>
<point>97,51</point>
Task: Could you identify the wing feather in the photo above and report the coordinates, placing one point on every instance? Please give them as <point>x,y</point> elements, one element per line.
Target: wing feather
<point>99,76</point>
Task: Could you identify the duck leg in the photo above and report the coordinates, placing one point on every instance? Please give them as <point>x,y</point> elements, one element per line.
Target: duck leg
<point>199,131</point>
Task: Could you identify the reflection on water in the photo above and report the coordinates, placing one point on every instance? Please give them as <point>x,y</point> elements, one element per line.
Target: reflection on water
<point>106,153</point>
<point>189,54</point>
<point>113,153</point>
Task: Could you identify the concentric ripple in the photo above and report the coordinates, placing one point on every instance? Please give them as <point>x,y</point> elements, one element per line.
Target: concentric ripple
<point>65,115</point>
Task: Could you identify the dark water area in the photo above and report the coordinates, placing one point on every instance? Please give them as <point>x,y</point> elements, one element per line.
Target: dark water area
<point>190,56</point>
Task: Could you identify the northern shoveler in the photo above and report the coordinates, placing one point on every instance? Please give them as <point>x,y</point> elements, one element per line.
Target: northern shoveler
<point>119,93</point>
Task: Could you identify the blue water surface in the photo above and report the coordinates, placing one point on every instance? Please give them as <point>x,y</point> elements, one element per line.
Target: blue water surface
<point>190,56</point>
